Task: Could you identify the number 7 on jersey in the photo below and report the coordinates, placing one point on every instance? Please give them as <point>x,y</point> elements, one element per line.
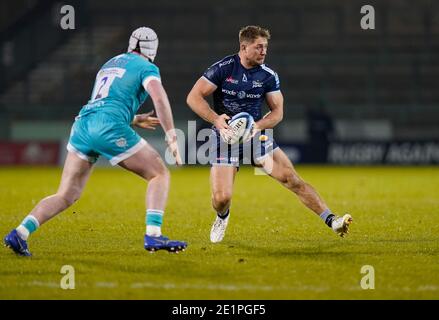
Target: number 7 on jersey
<point>104,80</point>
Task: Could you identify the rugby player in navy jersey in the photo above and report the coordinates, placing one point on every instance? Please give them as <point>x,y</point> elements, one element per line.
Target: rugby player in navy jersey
<point>241,83</point>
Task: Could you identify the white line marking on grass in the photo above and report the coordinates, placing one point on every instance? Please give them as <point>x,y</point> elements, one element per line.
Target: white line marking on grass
<point>42,284</point>
<point>106,285</point>
<point>224,287</point>
<point>220,287</point>
<point>428,288</point>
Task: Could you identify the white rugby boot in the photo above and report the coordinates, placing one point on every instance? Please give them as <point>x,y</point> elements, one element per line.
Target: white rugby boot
<point>340,225</point>
<point>219,229</point>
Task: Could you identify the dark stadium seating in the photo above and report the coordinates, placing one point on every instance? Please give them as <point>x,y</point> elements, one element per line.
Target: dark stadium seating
<point>319,50</point>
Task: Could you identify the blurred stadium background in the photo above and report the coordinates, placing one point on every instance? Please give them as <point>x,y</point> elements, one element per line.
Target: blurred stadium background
<point>351,95</point>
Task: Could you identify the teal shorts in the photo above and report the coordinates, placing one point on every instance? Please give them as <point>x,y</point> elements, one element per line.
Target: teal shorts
<point>101,134</point>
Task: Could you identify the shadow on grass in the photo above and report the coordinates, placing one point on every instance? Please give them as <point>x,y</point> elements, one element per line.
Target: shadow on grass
<point>336,249</point>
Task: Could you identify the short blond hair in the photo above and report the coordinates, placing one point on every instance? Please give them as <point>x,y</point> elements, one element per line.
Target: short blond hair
<point>251,33</point>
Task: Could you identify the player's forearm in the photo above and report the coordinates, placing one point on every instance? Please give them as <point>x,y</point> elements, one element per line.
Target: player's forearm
<point>200,106</point>
<point>164,113</point>
<point>270,120</point>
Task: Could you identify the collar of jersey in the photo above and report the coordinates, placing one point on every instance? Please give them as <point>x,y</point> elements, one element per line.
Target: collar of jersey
<point>248,70</point>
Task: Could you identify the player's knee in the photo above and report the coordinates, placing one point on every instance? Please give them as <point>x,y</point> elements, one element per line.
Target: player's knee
<point>160,172</point>
<point>221,198</point>
<point>163,173</point>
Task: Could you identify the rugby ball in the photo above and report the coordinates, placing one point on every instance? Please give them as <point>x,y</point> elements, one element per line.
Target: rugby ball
<point>241,128</point>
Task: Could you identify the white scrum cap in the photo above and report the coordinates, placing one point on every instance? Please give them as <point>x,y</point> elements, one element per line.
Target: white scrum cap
<point>146,39</point>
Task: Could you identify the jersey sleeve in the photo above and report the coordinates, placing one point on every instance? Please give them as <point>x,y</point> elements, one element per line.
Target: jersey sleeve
<point>214,74</point>
<point>273,84</point>
<point>149,72</point>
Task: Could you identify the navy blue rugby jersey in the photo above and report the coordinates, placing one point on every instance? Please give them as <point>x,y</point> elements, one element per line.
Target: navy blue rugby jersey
<point>240,89</point>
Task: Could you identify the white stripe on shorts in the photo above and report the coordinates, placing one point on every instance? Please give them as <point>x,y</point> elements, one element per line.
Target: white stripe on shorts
<point>79,153</point>
<point>125,155</point>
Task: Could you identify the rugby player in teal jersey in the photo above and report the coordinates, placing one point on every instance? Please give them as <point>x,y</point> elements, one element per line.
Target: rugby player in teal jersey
<point>104,127</point>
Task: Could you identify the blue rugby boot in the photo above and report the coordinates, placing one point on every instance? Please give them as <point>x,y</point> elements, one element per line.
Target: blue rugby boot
<point>13,241</point>
<point>153,244</point>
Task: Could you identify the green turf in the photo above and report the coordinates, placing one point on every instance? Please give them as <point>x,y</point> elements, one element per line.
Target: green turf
<point>274,247</point>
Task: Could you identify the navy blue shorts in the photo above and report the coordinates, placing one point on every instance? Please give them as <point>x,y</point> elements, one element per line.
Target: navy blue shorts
<point>250,152</point>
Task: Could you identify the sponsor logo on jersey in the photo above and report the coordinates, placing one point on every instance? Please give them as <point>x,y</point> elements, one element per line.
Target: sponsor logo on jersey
<point>231,80</point>
<point>233,107</point>
<point>244,78</point>
<point>222,64</point>
<point>92,105</point>
<point>229,92</point>
<point>210,73</point>
<point>121,142</point>
<point>257,84</point>
<point>242,94</point>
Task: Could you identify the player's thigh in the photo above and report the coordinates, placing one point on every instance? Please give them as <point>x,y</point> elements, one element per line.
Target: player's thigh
<point>222,179</point>
<point>279,166</point>
<point>75,174</point>
<point>146,163</point>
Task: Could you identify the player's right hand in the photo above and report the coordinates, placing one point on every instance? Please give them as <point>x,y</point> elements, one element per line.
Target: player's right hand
<point>173,146</point>
<point>146,120</point>
<point>221,122</point>
<point>171,139</point>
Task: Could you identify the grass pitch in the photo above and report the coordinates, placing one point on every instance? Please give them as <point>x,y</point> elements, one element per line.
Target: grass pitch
<point>274,247</point>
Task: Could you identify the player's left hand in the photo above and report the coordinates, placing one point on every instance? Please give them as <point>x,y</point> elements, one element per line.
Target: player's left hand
<point>253,131</point>
<point>146,121</point>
